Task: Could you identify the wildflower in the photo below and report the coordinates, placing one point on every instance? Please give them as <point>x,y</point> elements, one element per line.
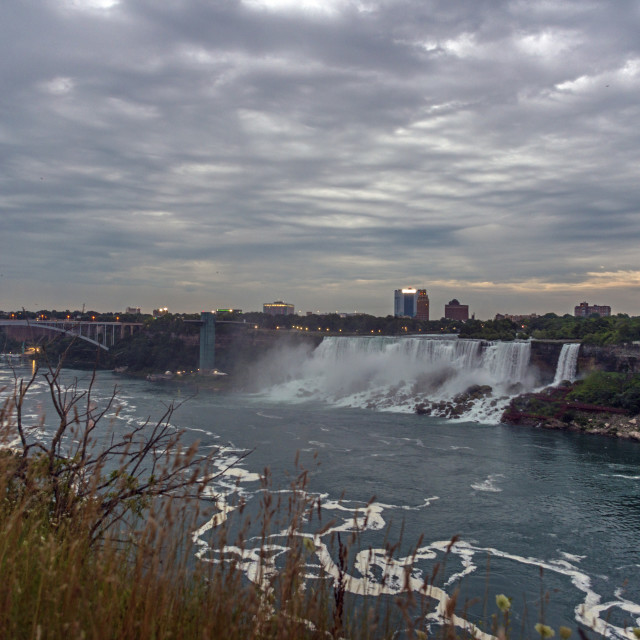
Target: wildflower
<point>308,545</point>
<point>565,632</point>
<point>504,603</point>
<point>636,632</point>
<point>545,631</point>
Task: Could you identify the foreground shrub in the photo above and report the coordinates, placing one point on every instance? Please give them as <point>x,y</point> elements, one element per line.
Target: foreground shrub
<point>96,533</point>
<point>97,541</point>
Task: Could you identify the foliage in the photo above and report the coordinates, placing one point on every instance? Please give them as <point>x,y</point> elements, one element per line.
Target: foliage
<point>86,467</point>
<point>96,536</point>
<point>619,329</point>
<point>489,329</point>
<point>9,344</point>
<point>75,353</point>
<point>154,351</point>
<point>617,390</point>
<point>356,324</point>
<point>96,541</point>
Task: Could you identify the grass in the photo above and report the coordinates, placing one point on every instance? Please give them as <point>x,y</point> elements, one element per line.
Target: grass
<point>140,583</point>
<point>96,541</point>
<point>96,535</point>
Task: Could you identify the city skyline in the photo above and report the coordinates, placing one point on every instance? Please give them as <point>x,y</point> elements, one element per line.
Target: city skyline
<point>207,155</point>
<point>417,311</point>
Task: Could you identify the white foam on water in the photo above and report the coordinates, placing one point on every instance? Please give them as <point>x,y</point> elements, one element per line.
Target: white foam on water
<point>319,444</point>
<point>489,484</point>
<point>206,433</point>
<point>374,572</point>
<point>228,477</point>
<point>267,415</point>
<point>590,612</point>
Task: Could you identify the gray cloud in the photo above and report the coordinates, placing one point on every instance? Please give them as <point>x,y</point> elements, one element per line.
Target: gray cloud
<point>210,154</point>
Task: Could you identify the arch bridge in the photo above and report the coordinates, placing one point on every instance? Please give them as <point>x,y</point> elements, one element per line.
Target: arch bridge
<point>100,334</point>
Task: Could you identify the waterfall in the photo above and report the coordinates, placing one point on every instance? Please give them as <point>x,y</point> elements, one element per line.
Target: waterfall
<point>509,360</point>
<point>402,373</point>
<point>567,363</point>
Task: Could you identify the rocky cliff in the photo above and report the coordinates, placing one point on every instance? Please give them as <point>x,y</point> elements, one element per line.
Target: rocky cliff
<point>619,358</point>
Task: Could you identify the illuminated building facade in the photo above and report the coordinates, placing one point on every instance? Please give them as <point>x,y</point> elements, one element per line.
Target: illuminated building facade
<point>278,308</point>
<point>422,305</point>
<point>405,302</point>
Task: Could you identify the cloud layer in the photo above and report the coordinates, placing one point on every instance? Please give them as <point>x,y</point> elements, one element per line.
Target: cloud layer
<point>199,154</point>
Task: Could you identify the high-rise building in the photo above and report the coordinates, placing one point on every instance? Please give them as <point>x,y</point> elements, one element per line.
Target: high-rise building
<point>278,308</point>
<point>456,311</point>
<point>422,305</point>
<point>405,302</point>
<point>584,310</point>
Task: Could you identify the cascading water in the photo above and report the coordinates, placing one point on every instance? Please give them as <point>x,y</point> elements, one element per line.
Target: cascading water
<point>467,379</point>
<point>567,363</point>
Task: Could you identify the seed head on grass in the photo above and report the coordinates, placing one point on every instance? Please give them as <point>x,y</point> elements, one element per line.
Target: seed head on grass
<point>565,633</point>
<point>545,631</point>
<point>308,545</point>
<point>503,602</point>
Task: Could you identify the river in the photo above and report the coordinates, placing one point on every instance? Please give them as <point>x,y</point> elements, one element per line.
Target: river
<point>535,511</point>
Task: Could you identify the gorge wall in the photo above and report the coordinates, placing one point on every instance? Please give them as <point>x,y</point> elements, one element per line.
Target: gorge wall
<point>618,358</point>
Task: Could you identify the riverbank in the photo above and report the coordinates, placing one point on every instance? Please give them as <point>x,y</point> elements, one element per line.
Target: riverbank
<point>189,380</point>
<point>558,408</point>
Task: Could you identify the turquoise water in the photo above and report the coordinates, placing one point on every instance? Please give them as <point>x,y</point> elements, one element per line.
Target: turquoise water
<point>547,511</point>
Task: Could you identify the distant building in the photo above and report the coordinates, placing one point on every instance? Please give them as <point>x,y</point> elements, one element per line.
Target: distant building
<point>405,302</point>
<point>516,318</point>
<point>133,310</point>
<point>422,305</point>
<point>584,310</point>
<point>341,314</point>
<point>278,308</point>
<point>160,312</point>
<point>456,311</point>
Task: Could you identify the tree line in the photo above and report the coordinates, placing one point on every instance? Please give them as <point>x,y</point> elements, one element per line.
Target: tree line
<point>171,341</point>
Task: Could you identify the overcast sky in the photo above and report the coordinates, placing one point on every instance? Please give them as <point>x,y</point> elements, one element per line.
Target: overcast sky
<point>200,154</point>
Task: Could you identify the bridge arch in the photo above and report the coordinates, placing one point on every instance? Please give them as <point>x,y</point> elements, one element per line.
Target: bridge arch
<point>69,332</point>
<point>75,329</point>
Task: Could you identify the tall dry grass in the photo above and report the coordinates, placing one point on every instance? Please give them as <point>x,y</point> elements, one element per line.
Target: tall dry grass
<point>96,535</point>
<point>96,541</point>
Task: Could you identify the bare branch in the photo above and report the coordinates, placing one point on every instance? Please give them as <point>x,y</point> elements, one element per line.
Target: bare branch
<point>112,481</point>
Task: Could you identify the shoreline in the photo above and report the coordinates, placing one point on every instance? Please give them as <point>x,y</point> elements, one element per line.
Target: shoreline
<point>618,426</point>
<point>550,409</point>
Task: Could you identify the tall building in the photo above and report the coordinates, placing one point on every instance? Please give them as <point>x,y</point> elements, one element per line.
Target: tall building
<point>584,310</point>
<point>405,302</point>
<point>456,311</point>
<point>278,308</point>
<point>422,305</point>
